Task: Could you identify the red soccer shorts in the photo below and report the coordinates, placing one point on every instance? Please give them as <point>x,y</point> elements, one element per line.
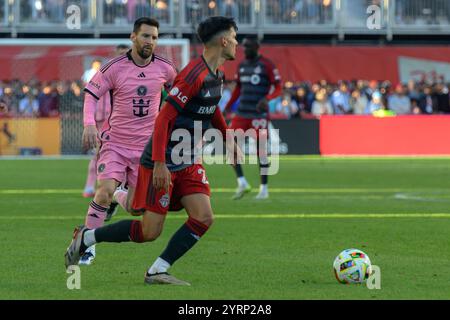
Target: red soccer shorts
<point>258,124</point>
<point>187,181</point>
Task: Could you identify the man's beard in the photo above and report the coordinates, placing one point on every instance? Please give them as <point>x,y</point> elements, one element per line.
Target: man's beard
<point>144,55</point>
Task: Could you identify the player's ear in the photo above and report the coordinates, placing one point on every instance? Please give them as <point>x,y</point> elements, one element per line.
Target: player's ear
<point>133,36</point>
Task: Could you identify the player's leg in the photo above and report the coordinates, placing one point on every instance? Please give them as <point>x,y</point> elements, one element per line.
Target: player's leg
<point>122,231</point>
<point>191,191</point>
<point>97,212</point>
<point>147,200</point>
<point>111,169</point>
<point>243,186</point>
<point>263,161</point>
<point>123,195</point>
<point>91,179</point>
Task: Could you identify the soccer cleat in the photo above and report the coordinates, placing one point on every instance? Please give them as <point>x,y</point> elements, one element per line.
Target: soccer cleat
<point>88,256</point>
<point>74,251</point>
<point>262,195</point>
<point>241,191</point>
<point>164,278</point>
<point>88,193</point>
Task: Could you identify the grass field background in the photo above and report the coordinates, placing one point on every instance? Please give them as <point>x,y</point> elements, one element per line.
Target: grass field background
<point>397,210</point>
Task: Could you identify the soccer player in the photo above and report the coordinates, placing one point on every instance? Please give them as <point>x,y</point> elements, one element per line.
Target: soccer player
<point>133,82</point>
<point>258,81</point>
<point>101,113</point>
<point>165,184</point>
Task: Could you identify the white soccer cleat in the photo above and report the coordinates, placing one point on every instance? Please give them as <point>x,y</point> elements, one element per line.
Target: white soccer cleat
<point>164,278</point>
<point>241,191</point>
<point>88,256</point>
<point>262,195</point>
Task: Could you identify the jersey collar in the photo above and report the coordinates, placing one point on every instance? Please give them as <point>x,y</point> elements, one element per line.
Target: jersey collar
<point>131,58</point>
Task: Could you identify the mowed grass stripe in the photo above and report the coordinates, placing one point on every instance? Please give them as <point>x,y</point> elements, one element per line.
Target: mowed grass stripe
<point>230,190</point>
<point>267,216</point>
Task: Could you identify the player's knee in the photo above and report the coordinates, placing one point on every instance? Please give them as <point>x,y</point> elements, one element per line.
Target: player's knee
<point>151,235</point>
<point>103,197</point>
<point>207,218</point>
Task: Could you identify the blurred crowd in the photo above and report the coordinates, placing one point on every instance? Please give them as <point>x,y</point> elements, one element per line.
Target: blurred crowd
<point>361,97</point>
<point>42,99</point>
<point>298,100</point>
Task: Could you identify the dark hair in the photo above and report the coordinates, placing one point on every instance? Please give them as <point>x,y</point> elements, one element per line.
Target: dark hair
<point>122,46</point>
<point>211,26</point>
<point>145,20</point>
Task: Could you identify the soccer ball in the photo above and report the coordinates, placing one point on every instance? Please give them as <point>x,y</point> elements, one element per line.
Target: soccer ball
<point>352,266</point>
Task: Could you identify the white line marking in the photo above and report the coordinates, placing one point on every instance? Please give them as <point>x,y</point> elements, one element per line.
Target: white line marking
<point>225,190</point>
<point>266,216</point>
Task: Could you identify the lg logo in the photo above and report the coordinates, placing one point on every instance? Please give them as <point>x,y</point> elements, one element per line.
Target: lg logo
<point>374,20</point>
<point>177,93</point>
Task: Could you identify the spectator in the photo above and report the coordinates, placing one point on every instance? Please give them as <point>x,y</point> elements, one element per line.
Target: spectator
<point>399,102</point>
<point>142,9</point>
<point>287,107</point>
<point>302,102</point>
<point>358,102</point>
<point>426,103</point>
<point>442,98</point>
<point>375,104</point>
<point>340,100</point>
<point>229,8</point>
<point>48,101</point>
<point>29,105</point>
<point>321,105</point>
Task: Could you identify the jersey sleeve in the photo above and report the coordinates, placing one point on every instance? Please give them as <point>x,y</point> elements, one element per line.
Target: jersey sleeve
<point>182,92</point>
<point>274,79</point>
<point>101,82</point>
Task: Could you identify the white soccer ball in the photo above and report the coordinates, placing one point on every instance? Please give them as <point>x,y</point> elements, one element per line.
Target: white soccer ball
<point>352,266</point>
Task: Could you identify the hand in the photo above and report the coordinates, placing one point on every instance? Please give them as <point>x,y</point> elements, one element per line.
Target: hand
<point>262,106</point>
<point>90,137</point>
<point>3,107</point>
<point>162,177</point>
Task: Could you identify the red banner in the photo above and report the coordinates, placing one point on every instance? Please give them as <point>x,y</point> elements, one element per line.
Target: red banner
<point>400,135</point>
<point>295,62</point>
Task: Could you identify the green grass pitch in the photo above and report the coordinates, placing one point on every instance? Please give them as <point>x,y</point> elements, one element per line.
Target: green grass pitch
<point>397,210</point>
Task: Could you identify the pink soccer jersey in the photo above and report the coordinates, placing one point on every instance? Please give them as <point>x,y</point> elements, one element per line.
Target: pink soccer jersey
<point>135,96</point>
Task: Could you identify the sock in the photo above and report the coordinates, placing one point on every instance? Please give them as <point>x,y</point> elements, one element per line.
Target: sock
<point>263,188</point>
<point>121,231</point>
<point>183,240</point>
<point>89,238</point>
<point>160,265</point>
<point>121,197</point>
<point>95,216</point>
<point>238,170</point>
<point>242,182</point>
<point>92,174</point>
<point>263,168</point>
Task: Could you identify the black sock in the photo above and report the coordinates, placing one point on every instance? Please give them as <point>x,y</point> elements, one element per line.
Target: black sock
<point>121,231</point>
<point>263,168</point>
<point>183,240</point>
<point>238,170</point>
